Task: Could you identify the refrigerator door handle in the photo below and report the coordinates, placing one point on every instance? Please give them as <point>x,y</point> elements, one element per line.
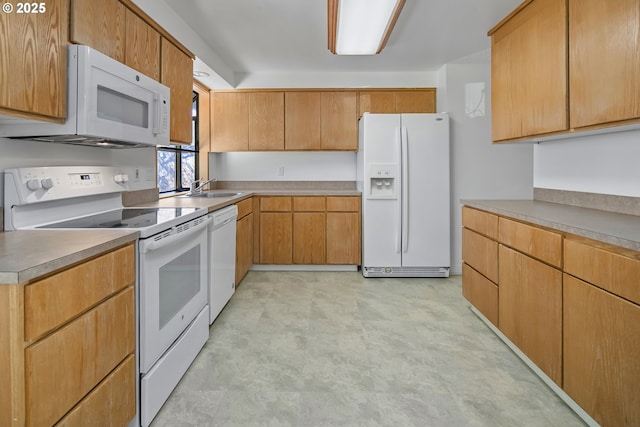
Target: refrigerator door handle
<point>399,222</point>
<point>405,190</point>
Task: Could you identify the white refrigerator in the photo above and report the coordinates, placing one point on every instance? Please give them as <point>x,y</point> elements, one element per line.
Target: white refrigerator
<point>403,174</point>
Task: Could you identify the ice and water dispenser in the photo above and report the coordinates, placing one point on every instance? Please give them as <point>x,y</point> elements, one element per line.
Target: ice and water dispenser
<point>383,181</point>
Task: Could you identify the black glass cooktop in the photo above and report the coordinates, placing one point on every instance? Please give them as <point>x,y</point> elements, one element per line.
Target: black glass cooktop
<point>124,218</point>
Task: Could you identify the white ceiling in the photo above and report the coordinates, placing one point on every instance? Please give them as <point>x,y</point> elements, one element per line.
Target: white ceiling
<point>285,36</point>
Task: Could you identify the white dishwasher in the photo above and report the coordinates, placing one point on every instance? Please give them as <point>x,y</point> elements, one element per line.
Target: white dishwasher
<point>222,259</point>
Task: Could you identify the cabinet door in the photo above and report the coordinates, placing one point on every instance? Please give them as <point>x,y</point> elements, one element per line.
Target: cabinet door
<point>244,246</point>
<point>275,238</point>
<point>230,121</point>
<point>529,72</point>
<point>339,122</point>
<point>530,309</point>
<point>416,102</point>
<point>343,238</point>
<point>302,120</point>
<point>480,253</point>
<point>142,51</point>
<point>99,24</point>
<point>177,74</point>
<point>33,62</point>
<point>481,292</point>
<point>377,102</point>
<point>309,237</point>
<point>601,348</point>
<point>604,65</point>
<point>266,121</point>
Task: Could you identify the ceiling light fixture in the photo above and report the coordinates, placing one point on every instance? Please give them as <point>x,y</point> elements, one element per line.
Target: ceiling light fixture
<point>361,27</point>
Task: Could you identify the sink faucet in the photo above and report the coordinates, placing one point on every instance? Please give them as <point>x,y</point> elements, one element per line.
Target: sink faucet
<point>195,188</point>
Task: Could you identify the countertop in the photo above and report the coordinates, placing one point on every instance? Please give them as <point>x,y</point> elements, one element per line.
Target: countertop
<point>609,227</point>
<point>26,255</point>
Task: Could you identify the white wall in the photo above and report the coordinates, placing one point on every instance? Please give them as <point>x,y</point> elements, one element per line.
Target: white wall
<point>336,80</point>
<point>479,169</point>
<point>18,153</point>
<point>606,164</point>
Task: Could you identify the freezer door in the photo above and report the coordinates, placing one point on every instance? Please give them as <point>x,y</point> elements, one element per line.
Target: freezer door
<point>425,190</point>
<point>381,216</point>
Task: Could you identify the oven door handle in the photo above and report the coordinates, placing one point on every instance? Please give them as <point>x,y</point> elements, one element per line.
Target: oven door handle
<point>151,244</point>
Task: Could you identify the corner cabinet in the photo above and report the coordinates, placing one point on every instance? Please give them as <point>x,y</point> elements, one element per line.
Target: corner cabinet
<point>72,362</point>
<point>559,66</point>
<point>33,63</point>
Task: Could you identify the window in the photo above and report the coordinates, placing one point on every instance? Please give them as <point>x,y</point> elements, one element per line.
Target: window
<point>178,164</point>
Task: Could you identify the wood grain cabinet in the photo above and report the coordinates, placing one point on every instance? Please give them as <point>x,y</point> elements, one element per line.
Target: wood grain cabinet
<point>529,93</point>
<point>602,331</point>
<point>338,121</point>
<point>33,63</point>
<point>68,346</point>
<point>480,261</point>
<point>397,102</point>
<point>244,239</point>
<point>177,73</point>
<point>101,25</point>
<point>309,230</point>
<point>302,121</point>
<point>142,50</point>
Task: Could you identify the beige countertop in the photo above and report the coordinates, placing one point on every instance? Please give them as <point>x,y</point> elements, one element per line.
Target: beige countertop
<point>26,255</point>
<point>609,227</point>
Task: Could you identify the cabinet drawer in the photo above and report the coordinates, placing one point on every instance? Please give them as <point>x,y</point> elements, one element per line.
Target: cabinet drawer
<point>481,222</point>
<point>111,403</point>
<point>613,272</point>
<point>245,207</point>
<point>481,292</point>
<point>275,204</point>
<point>343,204</point>
<point>63,367</point>
<point>480,253</point>
<point>537,242</point>
<point>51,302</point>
<point>309,204</point>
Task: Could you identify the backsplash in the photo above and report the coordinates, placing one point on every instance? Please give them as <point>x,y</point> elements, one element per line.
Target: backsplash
<point>604,202</point>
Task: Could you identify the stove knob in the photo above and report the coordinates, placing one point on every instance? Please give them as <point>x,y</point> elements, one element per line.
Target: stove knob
<point>121,178</point>
<point>33,184</point>
<point>47,183</point>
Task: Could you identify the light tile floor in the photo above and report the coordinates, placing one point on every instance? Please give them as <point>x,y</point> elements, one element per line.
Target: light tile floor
<point>336,349</point>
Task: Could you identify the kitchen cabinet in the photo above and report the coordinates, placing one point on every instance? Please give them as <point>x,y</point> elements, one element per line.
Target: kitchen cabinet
<point>275,230</point>
<point>397,102</point>
<point>229,121</point>
<point>604,65</point>
<point>529,93</point>
<point>68,345</point>
<point>338,121</point>
<point>177,74</point>
<point>244,239</point>
<point>602,331</point>
<point>142,50</point>
<point>204,129</point>
<point>101,25</point>
<point>344,230</point>
<point>33,63</point>
<point>266,121</point>
<point>309,230</point>
<point>480,261</point>
<point>302,121</point>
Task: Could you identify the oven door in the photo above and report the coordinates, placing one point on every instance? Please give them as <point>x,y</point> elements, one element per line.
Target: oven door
<point>173,287</point>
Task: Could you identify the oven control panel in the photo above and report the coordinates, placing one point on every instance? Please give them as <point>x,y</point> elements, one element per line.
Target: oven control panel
<point>31,185</point>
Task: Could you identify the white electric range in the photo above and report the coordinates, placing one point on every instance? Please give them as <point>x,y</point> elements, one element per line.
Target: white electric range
<point>172,282</point>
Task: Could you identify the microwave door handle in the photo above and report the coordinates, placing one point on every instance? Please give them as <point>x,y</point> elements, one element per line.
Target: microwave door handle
<point>157,113</point>
<point>149,245</point>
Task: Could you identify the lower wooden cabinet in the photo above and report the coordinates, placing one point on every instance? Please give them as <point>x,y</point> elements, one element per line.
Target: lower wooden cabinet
<point>530,309</point>
<point>244,239</point>
<point>481,292</point>
<point>309,230</point>
<point>77,358</point>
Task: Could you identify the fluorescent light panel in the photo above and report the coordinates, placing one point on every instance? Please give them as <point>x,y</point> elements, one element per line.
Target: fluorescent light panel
<point>362,26</point>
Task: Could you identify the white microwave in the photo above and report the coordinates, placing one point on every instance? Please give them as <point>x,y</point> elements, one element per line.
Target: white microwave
<point>108,104</point>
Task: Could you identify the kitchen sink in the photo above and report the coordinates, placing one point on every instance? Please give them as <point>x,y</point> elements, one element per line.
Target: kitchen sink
<point>211,194</point>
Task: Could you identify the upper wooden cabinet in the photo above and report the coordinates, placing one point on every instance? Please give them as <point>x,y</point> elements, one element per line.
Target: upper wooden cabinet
<point>177,73</point>
<point>33,63</point>
<point>266,121</point>
<point>528,71</point>
<point>142,51</point>
<point>101,25</point>
<point>302,120</point>
<point>338,121</point>
<point>391,102</point>
<point>604,65</point>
